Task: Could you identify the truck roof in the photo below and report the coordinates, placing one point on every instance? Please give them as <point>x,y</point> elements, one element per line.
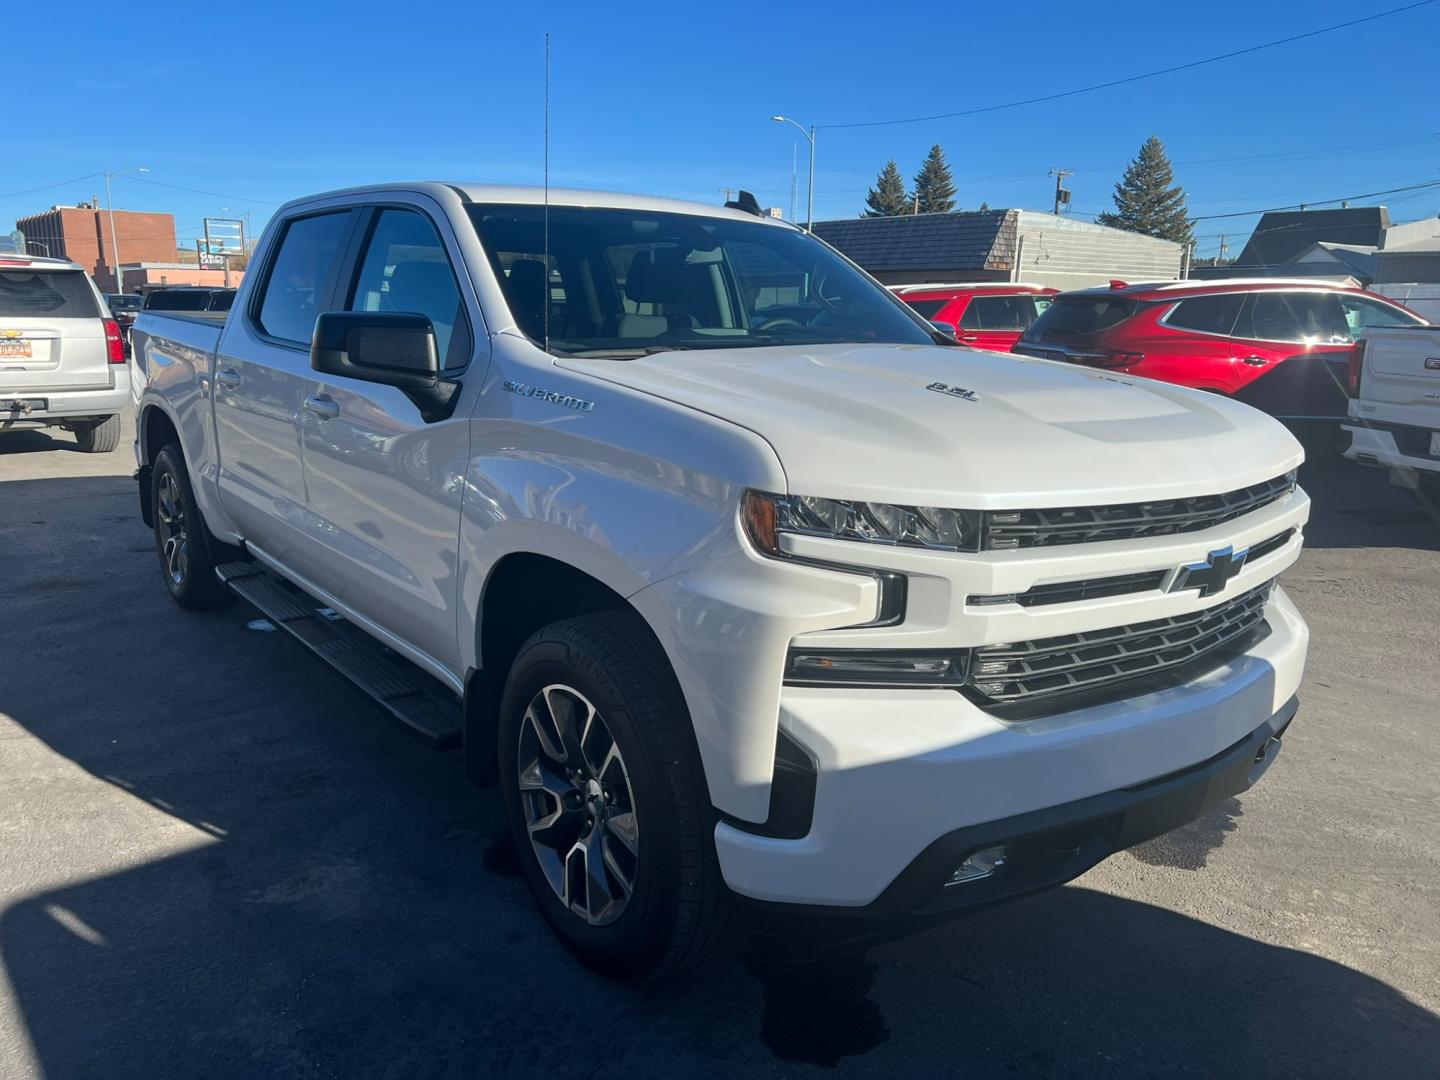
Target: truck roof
<point>531,195</point>
<point>37,262</point>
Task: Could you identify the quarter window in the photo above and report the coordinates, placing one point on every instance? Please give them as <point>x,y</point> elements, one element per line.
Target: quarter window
<point>407,269</point>
<point>1207,314</point>
<point>927,309</point>
<point>300,275</point>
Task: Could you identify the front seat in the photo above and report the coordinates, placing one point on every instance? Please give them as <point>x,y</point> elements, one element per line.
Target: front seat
<point>657,278</point>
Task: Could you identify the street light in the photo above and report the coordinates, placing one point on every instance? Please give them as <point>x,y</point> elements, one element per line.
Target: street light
<point>110,209</point>
<point>810,198</point>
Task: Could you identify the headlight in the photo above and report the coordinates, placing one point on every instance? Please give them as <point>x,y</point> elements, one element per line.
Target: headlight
<point>768,516</point>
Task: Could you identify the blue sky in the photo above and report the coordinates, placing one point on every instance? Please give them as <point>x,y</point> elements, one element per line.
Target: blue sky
<point>259,102</point>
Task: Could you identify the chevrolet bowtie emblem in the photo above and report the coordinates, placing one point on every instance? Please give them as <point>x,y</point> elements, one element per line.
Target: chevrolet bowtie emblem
<point>1212,575</point>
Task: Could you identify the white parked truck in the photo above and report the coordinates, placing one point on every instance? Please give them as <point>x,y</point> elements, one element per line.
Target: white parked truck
<point>748,586</point>
<point>1394,416</point>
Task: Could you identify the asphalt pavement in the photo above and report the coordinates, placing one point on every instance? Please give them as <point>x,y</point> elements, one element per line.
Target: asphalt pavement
<point>217,859</point>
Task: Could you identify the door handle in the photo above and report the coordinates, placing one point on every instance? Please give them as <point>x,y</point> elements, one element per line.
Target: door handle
<point>228,378</point>
<point>322,407</point>
<point>970,337</point>
<point>1253,361</point>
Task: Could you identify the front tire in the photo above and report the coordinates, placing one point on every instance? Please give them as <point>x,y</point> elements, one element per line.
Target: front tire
<point>183,543</point>
<point>98,436</point>
<point>606,801</point>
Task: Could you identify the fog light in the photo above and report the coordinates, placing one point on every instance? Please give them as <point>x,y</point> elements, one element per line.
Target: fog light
<point>981,865</point>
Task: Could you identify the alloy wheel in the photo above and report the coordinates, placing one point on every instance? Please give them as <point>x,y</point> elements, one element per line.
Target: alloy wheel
<point>174,538</point>
<point>578,806</point>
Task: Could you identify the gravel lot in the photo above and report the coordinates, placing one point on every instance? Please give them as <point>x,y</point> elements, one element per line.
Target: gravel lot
<point>217,859</point>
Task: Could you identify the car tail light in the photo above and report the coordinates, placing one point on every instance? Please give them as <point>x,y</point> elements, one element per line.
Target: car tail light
<point>1357,364</point>
<point>114,343</point>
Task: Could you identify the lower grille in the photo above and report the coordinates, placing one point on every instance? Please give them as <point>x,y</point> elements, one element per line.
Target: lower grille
<point>1007,678</point>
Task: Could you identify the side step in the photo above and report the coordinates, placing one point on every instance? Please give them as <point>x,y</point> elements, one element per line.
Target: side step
<point>422,705</point>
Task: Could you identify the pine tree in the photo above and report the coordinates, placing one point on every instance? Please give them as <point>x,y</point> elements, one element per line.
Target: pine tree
<point>887,198</point>
<point>934,186</point>
<point>1147,199</point>
<point>984,207</point>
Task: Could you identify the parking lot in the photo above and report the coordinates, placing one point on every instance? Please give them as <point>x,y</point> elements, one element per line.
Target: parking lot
<point>216,859</point>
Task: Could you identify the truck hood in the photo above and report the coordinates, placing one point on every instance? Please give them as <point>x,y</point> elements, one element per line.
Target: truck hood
<point>945,426</point>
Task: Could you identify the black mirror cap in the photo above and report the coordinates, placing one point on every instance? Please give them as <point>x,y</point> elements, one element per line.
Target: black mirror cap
<point>391,347</point>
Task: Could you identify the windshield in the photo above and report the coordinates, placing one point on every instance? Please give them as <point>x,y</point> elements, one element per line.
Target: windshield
<point>627,282</point>
<point>122,302</point>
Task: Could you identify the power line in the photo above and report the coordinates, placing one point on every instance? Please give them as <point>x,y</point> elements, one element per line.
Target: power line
<point>242,198</point>
<point>1147,75</point>
<point>1313,202</point>
<point>46,187</point>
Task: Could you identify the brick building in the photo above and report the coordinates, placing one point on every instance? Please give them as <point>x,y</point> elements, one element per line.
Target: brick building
<point>82,234</point>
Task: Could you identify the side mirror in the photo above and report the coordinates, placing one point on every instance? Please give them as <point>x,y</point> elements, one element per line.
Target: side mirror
<point>394,348</point>
<point>947,328</point>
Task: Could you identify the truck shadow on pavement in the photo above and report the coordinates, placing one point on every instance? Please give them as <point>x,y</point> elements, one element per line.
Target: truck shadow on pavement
<point>291,887</point>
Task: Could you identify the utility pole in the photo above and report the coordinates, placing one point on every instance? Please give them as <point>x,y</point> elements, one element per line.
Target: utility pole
<point>1062,197</point>
<point>794,174</point>
<point>110,209</point>
<point>915,209</point>
<point>1224,247</point>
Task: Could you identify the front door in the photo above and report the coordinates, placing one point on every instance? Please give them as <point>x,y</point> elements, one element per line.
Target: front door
<point>260,380</point>
<point>1292,351</point>
<point>384,482</point>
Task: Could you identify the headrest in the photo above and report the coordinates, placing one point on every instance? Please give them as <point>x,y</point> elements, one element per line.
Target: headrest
<point>657,277</point>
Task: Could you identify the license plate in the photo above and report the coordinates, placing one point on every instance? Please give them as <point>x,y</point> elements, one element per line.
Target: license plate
<point>1435,444</point>
<point>15,348</point>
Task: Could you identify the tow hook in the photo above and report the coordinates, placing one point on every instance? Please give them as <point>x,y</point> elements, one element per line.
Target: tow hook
<point>19,405</point>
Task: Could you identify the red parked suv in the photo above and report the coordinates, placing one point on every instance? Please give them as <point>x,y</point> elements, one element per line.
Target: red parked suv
<point>986,316</point>
<point>1282,345</point>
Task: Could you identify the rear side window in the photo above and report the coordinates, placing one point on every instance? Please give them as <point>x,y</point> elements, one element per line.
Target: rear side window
<point>999,313</point>
<point>927,309</point>
<point>1080,316</point>
<point>1314,318</point>
<point>300,275</point>
<point>1207,314</point>
<point>61,294</point>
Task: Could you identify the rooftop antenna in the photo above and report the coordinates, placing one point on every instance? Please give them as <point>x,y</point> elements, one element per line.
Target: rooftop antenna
<point>545,257</point>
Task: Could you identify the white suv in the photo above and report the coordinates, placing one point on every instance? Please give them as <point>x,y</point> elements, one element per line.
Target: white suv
<point>62,360</point>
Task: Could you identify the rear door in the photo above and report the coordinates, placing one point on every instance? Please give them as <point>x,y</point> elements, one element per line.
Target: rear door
<point>384,483</point>
<point>1193,346</point>
<point>1292,351</point>
<point>996,322</point>
<point>1402,368</point>
<point>260,374</point>
<point>51,334</point>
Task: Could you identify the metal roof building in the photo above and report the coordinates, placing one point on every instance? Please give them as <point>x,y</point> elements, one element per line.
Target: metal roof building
<point>999,245</point>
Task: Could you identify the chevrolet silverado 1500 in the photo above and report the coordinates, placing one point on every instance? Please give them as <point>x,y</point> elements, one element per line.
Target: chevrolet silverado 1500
<point>746,584</point>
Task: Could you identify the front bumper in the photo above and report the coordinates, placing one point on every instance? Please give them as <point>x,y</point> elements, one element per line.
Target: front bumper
<point>908,779</point>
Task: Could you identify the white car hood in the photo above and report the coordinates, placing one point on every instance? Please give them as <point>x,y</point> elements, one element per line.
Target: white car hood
<point>860,422</point>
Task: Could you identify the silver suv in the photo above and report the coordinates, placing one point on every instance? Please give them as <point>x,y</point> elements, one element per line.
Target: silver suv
<point>62,359</point>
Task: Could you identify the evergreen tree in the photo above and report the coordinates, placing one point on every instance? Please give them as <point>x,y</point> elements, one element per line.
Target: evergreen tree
<point>887,198</point>
<point>934,186</point>
<point>984,207</point>
<point>1147,199</point>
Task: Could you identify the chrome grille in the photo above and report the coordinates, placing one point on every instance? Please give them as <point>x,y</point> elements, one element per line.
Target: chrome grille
<point>1005,529</point>
<point>1005,675</point>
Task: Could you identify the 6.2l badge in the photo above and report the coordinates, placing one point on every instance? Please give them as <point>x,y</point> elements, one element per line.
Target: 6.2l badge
<point>953,391</point>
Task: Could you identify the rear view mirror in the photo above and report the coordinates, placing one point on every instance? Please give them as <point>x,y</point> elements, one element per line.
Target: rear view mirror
<point>394,348</point>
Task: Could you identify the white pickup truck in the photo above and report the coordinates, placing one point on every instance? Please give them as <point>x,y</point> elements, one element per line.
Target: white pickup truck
<point>749,587</point>
<point>1394,417</point>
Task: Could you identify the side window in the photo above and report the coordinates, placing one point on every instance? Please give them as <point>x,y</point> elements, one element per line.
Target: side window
<point>1361,313</point>
<point>1307,317</point>
<point>407,269</point>
<point>999,313</point>
<point>970,319</point>
<point>927,309</point>
<point>1207,314</point>
<point>299,274</point>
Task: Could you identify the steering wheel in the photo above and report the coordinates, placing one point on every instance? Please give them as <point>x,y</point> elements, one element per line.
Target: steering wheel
<point>779,320</point>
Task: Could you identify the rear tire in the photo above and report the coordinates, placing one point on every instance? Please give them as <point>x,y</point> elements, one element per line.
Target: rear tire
<point>606,800</point>
<point>185,547</point>
<point>98,436</point>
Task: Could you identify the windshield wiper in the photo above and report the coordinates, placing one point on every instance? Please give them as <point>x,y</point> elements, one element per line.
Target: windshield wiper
<point>623,354</point>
